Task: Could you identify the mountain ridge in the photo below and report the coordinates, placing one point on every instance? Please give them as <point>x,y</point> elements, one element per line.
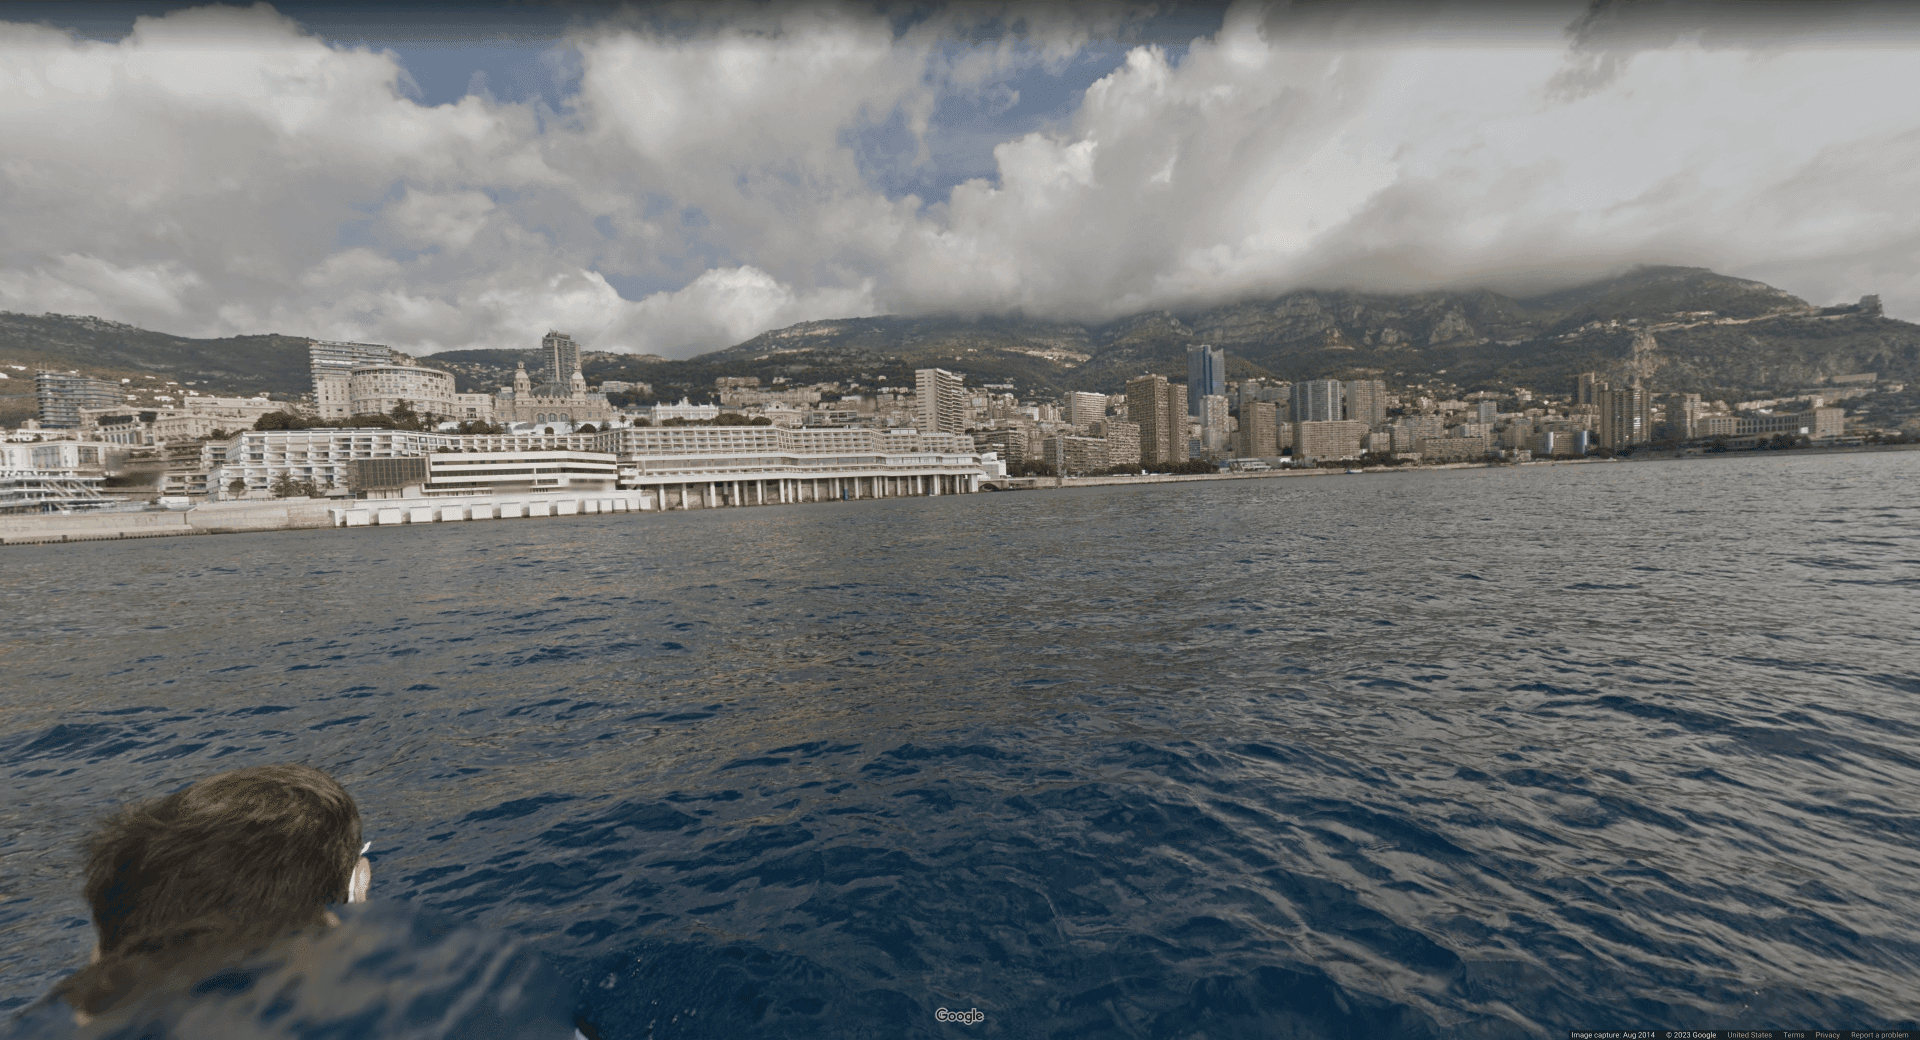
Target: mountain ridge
<point>1677,328</point>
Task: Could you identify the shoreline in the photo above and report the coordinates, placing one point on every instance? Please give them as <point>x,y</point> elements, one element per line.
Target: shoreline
<point>294,514</point>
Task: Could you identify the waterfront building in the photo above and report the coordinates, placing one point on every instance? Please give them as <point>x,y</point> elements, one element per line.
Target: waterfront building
<point>943,401</point>
<point>1009,443</point>
<point>469,473</point>
<point>1215,425</point>
<point>53,477</point>
<point>1071,456</point>
<point>1083,408</point>
<point>1337,439</point>
<point>1562,441</point>
<point>1815,424</point>
<point>1487,411</point>
<point>1626,416</point>
<point>261,458</point>
<point>1259,430</point>
<point>1123,442</point>
<point>1206,377</point>
<point>1379,442</point>
<point>1160,409</point>
<point>1366,401</point>
<point>1454,449</point>
<point>1317,400</point>
<point>765,465</point>
<point>1411,430</point>
<point>61,396</point>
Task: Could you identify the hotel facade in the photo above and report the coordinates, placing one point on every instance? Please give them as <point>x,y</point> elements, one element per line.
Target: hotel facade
<point>682,466</point>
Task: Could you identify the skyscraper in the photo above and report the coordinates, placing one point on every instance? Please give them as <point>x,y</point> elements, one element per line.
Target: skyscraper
<point>1367,401</point>
<point>942,397</point>
<point>1317,400</point>
<point>1206,375</point>
<point>1160,410</point>
<point>563,358</point>
<point>1626,416</point>
<point>1585,386</point>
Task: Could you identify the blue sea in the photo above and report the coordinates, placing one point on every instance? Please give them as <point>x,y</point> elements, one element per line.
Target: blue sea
<point>1464,753</point>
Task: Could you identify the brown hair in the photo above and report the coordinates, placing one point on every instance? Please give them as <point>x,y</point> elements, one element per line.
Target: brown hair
<point>212,872</point>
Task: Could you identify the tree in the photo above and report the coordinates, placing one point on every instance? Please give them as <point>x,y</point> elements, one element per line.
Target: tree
<point>282,486</point>
<point>282,420</point>
<point>236,486</point>
<point>588,428</point>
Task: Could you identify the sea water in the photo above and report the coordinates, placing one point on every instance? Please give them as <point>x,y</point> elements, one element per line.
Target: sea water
<point>1478,753</point>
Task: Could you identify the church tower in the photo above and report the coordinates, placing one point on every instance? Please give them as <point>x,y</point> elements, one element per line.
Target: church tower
<point>522,386</point>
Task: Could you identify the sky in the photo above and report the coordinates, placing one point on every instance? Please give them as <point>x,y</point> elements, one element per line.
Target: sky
<point>675,179</point>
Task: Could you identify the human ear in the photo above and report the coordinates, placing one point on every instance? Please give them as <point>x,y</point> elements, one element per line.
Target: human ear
<point>361,880</point>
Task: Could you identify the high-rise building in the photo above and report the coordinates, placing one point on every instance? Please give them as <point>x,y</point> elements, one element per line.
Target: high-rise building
<point>563,358</point>
<point>1160,409</point>
<point>1585,386</point>
<point>942,397</point>
<point>1259,430</point>
<point>1206,376</point>
<point>1083,408</point>
<point>1215,426</point>
<point>1626,416</point>
<point>1486,411</point>
<point>61,395</point>
<point>1367,401</point>
<point>1317,400</point>
<point>1683,415</point>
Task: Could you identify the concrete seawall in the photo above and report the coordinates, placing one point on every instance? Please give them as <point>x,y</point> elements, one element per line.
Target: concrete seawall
<point>299,513</point>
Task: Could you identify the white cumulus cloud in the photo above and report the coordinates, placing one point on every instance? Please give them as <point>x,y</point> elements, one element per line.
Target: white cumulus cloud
<point>222,170</point>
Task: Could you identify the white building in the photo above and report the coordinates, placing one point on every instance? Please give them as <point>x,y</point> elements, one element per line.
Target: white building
<point>259,458</point>
<point>685,410</point>
<point>378,389</point>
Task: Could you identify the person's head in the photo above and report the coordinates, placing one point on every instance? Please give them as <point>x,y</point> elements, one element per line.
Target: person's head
<point>232,861</point>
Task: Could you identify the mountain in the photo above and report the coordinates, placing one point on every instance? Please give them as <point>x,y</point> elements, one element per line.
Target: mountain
<point>1677,328</point>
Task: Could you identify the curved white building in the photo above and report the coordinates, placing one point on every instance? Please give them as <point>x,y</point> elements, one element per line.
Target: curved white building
<point>376,389</point>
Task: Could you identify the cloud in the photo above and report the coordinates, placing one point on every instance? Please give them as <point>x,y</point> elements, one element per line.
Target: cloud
<point>705,182</point>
